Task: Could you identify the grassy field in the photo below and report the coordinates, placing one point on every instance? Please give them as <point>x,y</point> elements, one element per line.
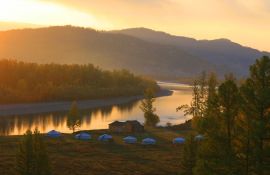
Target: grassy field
<point>69,156</point>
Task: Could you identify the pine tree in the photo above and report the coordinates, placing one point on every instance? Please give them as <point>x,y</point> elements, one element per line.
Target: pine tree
<point>25,155</point>
<point>206,125</point>
<point>228,94</point>
<point>243,142</point>
<point>235,123</point>
<point>256,97</point>
<point>41,163</point>
<point>214,109</point>
<point>228,99</point>
<point>32,158</point>
<point>210,155</point>
<point>74,118</point>
<point>151,119</point>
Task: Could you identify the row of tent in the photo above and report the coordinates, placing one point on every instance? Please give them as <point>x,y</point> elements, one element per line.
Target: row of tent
<point>128,139</point>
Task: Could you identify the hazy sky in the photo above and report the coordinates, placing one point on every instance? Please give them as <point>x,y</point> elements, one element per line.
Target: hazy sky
<point>244,21</point>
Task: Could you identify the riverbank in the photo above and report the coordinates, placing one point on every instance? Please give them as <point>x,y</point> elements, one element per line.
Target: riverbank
<point>74,157</point>
<point>37,108</point>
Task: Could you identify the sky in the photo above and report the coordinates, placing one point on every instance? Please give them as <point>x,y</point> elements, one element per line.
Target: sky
<point>243,21</point>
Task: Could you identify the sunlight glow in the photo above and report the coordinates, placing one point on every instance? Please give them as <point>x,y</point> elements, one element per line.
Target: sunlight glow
<point>242,21</point>
<point>45,13</point>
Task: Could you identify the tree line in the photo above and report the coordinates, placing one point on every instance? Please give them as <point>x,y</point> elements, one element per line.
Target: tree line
<point>235,122</point>
<point>31,82</point>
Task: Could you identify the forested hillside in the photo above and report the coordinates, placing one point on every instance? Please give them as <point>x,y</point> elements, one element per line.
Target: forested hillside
<point>140,50</point>
<point>108,50</point>
<point>32,82</point>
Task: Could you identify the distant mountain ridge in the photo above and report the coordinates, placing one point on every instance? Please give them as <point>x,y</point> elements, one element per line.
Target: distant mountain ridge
<point>221,52</point>
<point>69,44</point>
<point>143,51</point>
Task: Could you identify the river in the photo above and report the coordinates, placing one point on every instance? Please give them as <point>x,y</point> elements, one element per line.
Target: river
<point>99,118</point>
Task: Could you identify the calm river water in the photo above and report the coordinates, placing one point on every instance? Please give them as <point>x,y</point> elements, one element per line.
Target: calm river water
<point>100,118</point>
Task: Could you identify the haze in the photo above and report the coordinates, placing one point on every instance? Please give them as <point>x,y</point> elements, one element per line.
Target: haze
<point>242,21</point>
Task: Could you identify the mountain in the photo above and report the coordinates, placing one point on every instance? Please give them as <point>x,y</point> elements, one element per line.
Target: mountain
<point>67,44</point>
<point>143,51</point>
<point>221,52</point>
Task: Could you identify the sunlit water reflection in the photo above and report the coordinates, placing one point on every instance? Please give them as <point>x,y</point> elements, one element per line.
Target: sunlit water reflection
<point>101,117</point>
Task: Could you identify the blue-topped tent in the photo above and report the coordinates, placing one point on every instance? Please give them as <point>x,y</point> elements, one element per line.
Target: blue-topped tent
<point>105,137</point>
<point>83,136</point>
<point>148,141</point>
<point>199,137</point>
<point>53,134</point>
<point>130,139</point>
<point>178,140</point>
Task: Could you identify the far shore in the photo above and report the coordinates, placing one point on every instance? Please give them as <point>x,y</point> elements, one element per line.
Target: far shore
<point>37,108</point>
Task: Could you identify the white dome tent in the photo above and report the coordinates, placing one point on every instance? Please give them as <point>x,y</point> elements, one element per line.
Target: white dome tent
<point>105,137</point>
<point>83,136</point>
<point>130,139</point>
<point>199,137</point>
<point>178,140</point>
<point>148,141</point>
<point>53,134</point>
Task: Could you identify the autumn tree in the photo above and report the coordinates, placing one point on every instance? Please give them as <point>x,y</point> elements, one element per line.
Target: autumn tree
<point>73,117</point>
<point>198,103</point>
<point>151,119</point>
<point>204,101</point>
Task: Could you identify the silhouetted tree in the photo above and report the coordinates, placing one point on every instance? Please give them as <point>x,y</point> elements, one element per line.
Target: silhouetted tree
<point>25,155</point>
<point>214,108</point>
<point>189,155</point>
<point>210,154</point>
<point>151,119</point>
<point>32,158</point>
<point>74,119</point>
<point>228,94</point>
<point>199,96</point>
<point>235,123</point>
<point>256,97</point>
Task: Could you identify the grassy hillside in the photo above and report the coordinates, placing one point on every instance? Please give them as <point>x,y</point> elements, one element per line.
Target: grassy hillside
<point>73,157</point>
<point>105,49</point>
